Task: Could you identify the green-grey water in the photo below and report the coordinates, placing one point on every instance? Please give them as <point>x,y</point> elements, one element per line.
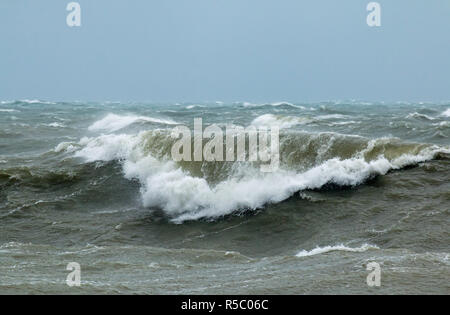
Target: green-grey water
<point>94,183</point>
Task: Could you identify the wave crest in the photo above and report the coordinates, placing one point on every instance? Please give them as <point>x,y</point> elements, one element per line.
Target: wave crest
<point>446,113</point>
<point>112,122</point>
<point>322,250</point>
<point>280,121</point>
<point>196,190</point>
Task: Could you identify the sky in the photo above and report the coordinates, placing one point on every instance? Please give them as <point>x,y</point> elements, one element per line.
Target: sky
<point>225,50</point>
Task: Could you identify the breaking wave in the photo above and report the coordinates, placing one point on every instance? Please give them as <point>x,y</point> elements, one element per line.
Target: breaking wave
<point>26,101</point>
<point>417,115</point>
<point>208,190</point>
<point>112,122</point>
<point>322,250</point>
<point>55,125</point>
<point>275,104</point>
<point>195,106</point>
<point>7,110</point>
<point>280,121</point>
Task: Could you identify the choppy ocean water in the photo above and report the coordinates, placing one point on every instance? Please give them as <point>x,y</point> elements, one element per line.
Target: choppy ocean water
<point>94,183</point>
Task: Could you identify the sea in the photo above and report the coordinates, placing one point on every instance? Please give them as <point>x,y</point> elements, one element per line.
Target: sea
<point>362,192</point>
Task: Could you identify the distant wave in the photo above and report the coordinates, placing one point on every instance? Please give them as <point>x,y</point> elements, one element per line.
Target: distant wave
<point>7,110</point>
<point>332,116</point>
<point>442,125</point>
<point>420,116</point>
<point>194,106</point>
<point>285,122</point>
<point>322,250</point>
<point>248,104</point>
<point>112,122</point>
<point>26,101</point>
<point>343,123</point>
<point>280,121</point>
<point>55,125</point>
<point>36,102</point>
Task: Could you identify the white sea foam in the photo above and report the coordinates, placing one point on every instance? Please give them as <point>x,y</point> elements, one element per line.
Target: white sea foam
<point>344,123</point>
<point>269,120</point>
<point>184,197</point>
<point>332,116</point>
<point>65,146</point>
<point>27,101</point>
<point>442,124</point>
<point>37,102</point>
<point>112,122</point>
<point>194,106</point>
<point>322,250</point>
<point>7,110</point>
<point>31,101</point>
<point>281,104</point>
<point>55,125</point>
<point>446,113</point>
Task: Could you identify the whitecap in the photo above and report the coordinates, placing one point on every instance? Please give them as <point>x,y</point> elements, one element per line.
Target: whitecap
<point>332,116</point>
<point>194,106</point>
<point>322,250</point>
<point>65,146</point>
<point>7,110</point>
<point>344,123</point>
<point>419,116</point>
<point>114,122</point>
<point>55,125</point>
<point>36,101</point>
<point>269,120</point>
<point>165,185</point>
<point>446,113</point>
<point>274,104</point>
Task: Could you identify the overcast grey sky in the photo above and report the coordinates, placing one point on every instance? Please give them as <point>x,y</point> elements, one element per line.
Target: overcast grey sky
<point>229,50</point>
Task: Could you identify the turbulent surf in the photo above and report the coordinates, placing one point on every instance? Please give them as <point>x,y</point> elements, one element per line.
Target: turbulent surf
<point>356,181</point>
